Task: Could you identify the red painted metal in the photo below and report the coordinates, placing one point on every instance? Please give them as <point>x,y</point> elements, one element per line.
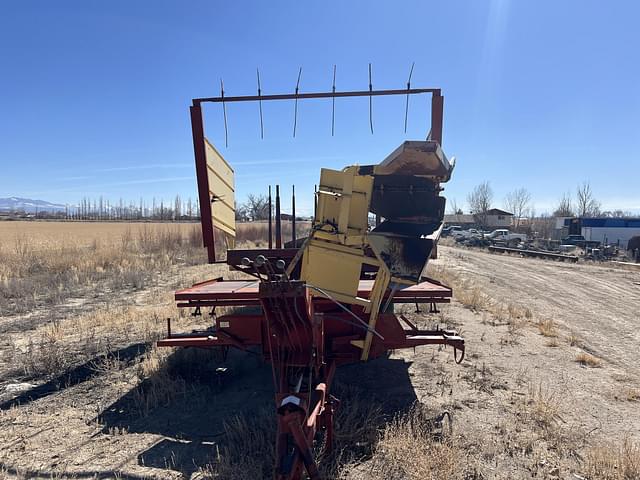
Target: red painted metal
<point>303,337</point>
<point>427,291</point>
<point>197,130</point>
<point>437,113</point>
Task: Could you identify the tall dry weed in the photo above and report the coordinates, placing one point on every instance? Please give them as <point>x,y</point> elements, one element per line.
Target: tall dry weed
<point>614,461</point>
<point>47,273</point>
<point>412,447</point>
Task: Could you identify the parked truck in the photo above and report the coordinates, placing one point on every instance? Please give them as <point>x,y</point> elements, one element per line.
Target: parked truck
<point>504,236</point>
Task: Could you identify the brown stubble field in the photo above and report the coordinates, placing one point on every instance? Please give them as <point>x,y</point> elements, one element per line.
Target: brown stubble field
<point>550,386</point>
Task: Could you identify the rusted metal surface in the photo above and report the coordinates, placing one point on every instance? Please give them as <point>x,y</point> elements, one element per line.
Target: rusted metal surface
<point>278,219</point>
<point>426,291</point>
<point>197,129</point>
<point>405,257</point>
<point>437,113</point>
<point>285,330</point>
<point>304,338</point>
<point>424,158</point>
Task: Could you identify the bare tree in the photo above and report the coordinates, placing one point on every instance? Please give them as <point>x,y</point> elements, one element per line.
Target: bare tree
<point>543,225</point>
<point>256,207</point>
<point>587,205</point>
<point>190,208</point>
<point>242,213</point>
<point>453,207</point>
<point>616,214</point>
<point>518,202</point>
<point>479,201</point>
<point>565,207</point>
<point>177,207</point>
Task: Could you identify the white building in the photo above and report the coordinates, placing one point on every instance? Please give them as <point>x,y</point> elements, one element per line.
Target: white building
<point>610,230</point>
<point>495,218</point>
<point>604,230</point>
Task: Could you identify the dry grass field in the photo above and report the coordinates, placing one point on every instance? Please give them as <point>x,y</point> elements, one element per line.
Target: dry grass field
<point>550,387</point>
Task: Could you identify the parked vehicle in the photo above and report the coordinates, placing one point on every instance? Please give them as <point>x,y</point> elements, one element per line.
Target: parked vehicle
<point>502,235</point>
<point>450,230</point>
<point>474,241</point>
<point>464,234</point>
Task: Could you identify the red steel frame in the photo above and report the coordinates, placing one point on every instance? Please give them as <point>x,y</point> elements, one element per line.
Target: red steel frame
<point>303,337</point>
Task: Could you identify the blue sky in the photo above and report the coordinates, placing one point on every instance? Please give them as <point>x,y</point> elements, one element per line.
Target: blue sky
<point>539,94</point>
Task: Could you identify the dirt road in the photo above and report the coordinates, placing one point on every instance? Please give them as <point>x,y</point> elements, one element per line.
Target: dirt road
<point>600,304</point>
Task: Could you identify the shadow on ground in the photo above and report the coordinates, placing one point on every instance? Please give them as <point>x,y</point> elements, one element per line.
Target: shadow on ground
<point>76,375</point>
<point>88,474</point>
<point>219,411</point>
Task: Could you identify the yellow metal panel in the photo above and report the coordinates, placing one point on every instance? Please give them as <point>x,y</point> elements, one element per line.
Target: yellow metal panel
<point>333,268</point>
<point>221,190</point>
<point>377,293</point>
<point>343,195</point>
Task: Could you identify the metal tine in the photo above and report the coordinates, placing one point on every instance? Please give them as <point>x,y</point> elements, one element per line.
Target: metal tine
<point>370,102</point>
<point>270,220</point>
<point>333,102</point>
<point>224,112</point>
<point>406,110</point>
<point>260,104</point>
<point>295,113</point>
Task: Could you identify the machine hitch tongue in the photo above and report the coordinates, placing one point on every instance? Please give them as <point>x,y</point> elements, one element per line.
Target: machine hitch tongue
<point>313,304</point>
<point>457,343</point>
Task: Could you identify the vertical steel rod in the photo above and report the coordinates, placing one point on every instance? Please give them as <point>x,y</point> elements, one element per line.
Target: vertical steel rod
<point>224,112</point>
<point>315,201</point>
<point>370,102</point>
<point>333,102</point>
<point>406,110</point>
<point>270,221</point>
<point>293,215</point>
<point>260,104</point>
<point>278,219</point>
<point>295,113</point>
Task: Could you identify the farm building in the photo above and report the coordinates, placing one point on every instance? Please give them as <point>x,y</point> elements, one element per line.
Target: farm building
<point>605,230</point>
<point>496,218</point>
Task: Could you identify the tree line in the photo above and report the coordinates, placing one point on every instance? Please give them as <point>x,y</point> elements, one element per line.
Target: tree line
<point>255,208</point>
<point>102,209</point>
<point>519,203</point>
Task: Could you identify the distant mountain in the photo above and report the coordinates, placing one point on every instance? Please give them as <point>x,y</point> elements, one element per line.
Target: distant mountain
<point>28,205</point>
